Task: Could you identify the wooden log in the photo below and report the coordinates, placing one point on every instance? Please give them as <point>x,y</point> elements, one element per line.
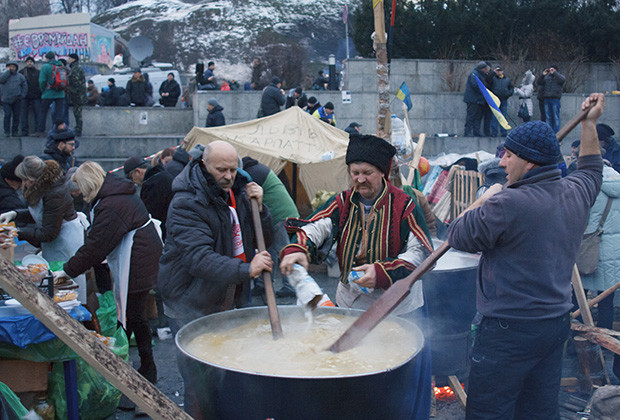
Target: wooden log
<point>576,326</point>
<point>458,390</point>
<point>383,76</point>
<point>118,372</point>
<point>603,340</point>
<point>597,299</point>
<point>585,377</point>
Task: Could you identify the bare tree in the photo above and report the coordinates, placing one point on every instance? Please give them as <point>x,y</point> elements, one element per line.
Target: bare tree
<point>13,9</point>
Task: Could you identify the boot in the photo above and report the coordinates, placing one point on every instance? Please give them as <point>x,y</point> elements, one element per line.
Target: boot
<point>148,369</point>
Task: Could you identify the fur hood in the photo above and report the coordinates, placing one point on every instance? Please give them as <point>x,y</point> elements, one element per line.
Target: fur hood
<point>52,174</point>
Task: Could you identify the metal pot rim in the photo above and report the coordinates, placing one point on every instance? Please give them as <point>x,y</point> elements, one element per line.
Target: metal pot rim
<point>187,329</point>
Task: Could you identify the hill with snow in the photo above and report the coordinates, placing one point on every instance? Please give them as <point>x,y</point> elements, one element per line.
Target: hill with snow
<point>232,32</point>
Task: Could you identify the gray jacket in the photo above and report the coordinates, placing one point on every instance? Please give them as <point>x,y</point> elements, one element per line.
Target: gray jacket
<point>529,234</point>
<point>14,86</point>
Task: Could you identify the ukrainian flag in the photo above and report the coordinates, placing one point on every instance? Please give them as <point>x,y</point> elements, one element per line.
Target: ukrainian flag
<point>403,95</point>
<point>493,102</point>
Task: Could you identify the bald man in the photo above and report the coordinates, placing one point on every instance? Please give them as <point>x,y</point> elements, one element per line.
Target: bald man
<point>209,258</point>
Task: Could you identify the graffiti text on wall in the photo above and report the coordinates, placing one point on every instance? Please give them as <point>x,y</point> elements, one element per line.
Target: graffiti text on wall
<point>37,44</point>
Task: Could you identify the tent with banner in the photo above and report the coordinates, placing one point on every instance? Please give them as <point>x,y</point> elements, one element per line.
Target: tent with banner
<point>293,136</point>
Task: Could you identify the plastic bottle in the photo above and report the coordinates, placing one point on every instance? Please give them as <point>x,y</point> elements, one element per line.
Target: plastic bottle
<point>44,409</point>
<point>354,275</point>
<point>309,294</point>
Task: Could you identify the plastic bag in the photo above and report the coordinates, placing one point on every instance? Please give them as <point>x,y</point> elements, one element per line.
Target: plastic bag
<point>12,401</point>
<point>107,314</point>
<point>97,398</point>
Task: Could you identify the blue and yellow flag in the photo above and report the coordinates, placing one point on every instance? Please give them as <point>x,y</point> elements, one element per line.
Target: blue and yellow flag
<point>403,95</point>
<point>493,102</point>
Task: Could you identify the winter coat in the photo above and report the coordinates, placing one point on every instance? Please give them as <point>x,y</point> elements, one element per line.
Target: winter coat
<point>302,101</point>
<point>117,210</point>
<point>173,89</point>
<point>14,86</point>
<point>64,160</point>
<point>323,116</point>
<point>502,87</point>
<point>552,85</point>
<point>32,78</point>
<point>216,118</point>
<point>612,153</point>
<point>472,91</point>
<point>92,96</point>
<point>45,77</point>
<point>113,96</point>
<point>198,265</point>
<point>77,84</point>
<point>608,271</point>
<point>9,199</point>
<point>156,193</point>
<point>179,160</point>
<point>57,206</point>
<point>526,91</point>
<point>137,90</point>
<point>272,100</point>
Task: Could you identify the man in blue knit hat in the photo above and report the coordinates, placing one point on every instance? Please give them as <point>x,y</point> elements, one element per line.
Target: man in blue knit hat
<point>529,234</point>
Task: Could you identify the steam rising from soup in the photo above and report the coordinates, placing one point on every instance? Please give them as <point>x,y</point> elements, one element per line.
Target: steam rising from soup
<point>302,352</point>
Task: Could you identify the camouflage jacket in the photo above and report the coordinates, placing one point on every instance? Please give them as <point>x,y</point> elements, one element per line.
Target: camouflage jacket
<point>76,92</point>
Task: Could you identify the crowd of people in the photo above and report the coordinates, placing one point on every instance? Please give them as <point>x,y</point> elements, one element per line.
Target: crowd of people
<point>182,223</point>
<point>28,94</point>
<point>548,86</point>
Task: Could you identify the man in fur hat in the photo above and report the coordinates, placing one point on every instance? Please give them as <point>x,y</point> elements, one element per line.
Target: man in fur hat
<point>529,234</point>
<point>379,232</point>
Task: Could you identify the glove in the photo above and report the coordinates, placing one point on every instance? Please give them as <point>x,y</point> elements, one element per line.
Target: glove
<point>59,276</point>
<point>7,217</point>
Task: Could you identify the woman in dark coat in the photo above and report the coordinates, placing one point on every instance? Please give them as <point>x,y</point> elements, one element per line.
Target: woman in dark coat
<point>119,216</point>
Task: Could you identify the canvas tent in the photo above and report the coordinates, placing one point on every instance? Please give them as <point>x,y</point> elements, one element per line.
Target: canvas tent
<point>291,135</point>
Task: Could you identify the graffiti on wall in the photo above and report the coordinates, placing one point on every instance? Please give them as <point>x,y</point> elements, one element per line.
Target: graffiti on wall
<point>37,44</point>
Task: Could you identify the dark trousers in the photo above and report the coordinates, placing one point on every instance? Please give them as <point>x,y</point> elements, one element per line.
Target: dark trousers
<point>56,112</point>
<point>35,106</point>
<point>541,108</point>
<point>11,114</point>
<point>472,120</point>
<point>516,369</point>
<point>77,113</point>
<point>138,323</point>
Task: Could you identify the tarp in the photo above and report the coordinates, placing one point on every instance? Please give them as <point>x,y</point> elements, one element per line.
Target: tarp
<point>291,135</point>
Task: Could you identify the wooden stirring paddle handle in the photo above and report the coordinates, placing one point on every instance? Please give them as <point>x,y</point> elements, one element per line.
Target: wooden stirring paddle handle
<point>274,316</point>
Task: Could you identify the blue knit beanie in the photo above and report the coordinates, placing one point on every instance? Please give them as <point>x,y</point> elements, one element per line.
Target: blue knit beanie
<point>535,142</point>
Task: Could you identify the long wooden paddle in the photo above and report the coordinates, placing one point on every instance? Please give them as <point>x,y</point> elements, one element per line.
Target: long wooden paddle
<point>274,316</point>
<point>401,289</point>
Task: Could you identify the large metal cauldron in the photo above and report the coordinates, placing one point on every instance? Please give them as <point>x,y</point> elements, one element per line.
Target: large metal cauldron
<point>234,394</point>
<point>450,293</point>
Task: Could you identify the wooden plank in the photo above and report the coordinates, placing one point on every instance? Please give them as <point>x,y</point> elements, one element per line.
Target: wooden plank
<point>118,372</point>
<point>597,299</point>
<point>459,392</point>
<point>580,294</point>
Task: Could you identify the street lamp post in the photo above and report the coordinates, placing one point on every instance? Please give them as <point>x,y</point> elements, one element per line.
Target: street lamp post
<point>332,72</point>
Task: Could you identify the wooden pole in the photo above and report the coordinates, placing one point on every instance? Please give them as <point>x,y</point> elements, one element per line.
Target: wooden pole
<point>597,299</point>
<point>118,372</point>
<point>459,392</point>
<point>272,307</point>
<point>383,76</point>
<point>585,310</point>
